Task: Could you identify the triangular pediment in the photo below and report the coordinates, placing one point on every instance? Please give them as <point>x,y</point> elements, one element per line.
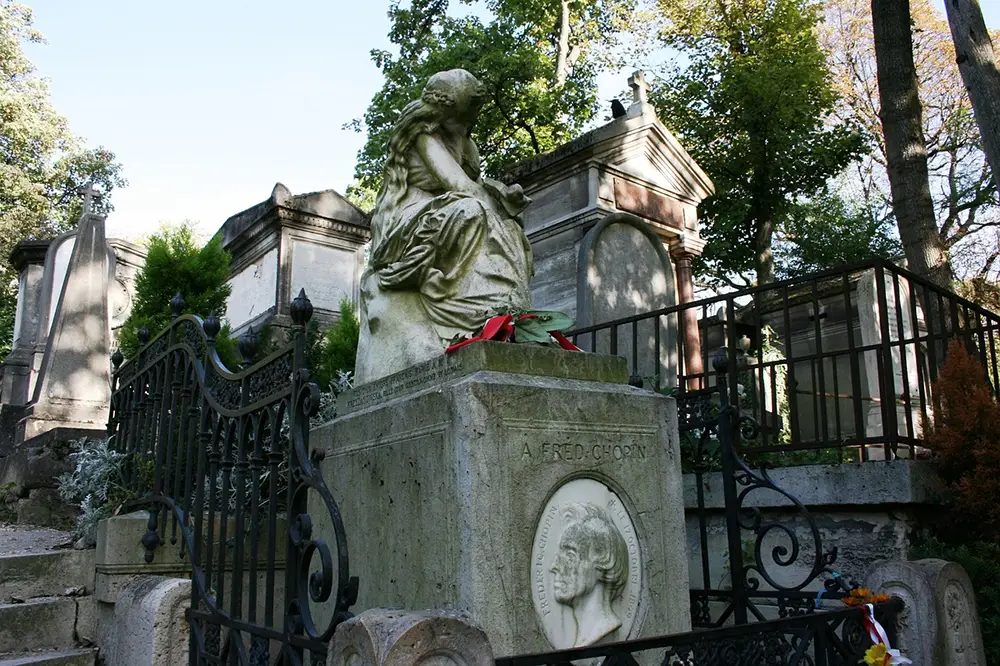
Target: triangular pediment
<point>637,146</point>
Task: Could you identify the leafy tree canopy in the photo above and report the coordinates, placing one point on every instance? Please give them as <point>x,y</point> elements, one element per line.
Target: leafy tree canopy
<point>42,164</point>
<point>828,231</point>
<point>964,194</point>
<point>753,107</point>
<point>538,61</point>
<point>176,262</point>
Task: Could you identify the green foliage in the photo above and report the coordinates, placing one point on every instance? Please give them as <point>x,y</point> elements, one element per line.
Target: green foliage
<point>96,484</point>
<point>828,232</point>
<point>753,108</point>
<point>175,263</point>
<point>42,164</point>
<point>337,351</point>
<point>981,560</point>
<point>531,109</point>
<point>361,196</point>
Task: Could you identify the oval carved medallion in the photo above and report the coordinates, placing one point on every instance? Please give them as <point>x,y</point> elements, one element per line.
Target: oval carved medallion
<point>586,566</point>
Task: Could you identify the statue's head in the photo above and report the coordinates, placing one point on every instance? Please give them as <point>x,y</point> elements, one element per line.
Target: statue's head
<point>451,100</point>
<point>455,93</point>
<point>591,552</point>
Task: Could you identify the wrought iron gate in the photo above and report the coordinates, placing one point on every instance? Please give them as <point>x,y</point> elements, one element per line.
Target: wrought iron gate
<point>222,460</point>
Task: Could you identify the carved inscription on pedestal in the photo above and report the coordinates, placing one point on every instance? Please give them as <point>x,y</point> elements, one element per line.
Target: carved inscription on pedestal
<point>586,566</point>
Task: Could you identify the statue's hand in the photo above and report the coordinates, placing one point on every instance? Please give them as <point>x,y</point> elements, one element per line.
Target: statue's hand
<point>511,198</point>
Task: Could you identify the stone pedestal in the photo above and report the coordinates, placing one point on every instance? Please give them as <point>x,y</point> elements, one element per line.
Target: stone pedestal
<point>529,487</point>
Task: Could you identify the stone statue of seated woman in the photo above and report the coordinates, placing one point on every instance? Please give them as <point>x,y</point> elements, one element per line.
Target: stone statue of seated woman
<point>448,249</point>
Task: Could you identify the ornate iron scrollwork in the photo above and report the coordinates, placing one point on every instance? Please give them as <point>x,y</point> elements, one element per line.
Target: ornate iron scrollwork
<point>231,484</point>
<point>305,476</point>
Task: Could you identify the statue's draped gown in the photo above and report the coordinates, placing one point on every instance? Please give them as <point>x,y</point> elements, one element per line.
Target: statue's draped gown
<point>441,262</point>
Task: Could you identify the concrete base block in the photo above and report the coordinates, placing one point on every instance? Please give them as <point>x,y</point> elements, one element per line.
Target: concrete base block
<point>86,620</point>
<point>149,624</point>
<point>940,623</point>
<point>381,637</point>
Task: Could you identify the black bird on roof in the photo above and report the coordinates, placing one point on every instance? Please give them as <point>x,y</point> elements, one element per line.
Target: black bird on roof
<point>617,109</point>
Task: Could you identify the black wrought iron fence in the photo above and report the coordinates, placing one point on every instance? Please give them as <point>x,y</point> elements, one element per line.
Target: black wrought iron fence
<point>835,638</point>
<point>222,460</point>
<point>841,363</point>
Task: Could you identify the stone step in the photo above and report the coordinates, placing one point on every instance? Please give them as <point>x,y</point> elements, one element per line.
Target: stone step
<point>38,624</point>
<point>48,574</point>
<point>81,657</point>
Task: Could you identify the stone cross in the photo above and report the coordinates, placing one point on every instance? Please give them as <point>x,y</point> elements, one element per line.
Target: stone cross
<point>90,194</point>
<point>640,87</point>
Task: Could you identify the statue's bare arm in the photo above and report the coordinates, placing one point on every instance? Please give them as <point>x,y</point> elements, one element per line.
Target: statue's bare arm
<point>443,165</point>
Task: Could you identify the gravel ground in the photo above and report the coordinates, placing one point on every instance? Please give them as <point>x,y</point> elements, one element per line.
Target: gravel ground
<point>16,539</point>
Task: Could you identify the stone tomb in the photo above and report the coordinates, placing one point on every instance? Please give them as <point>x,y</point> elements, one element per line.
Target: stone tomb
<point>289,242</point>
<point>613,228</point>
<point>939,624</point>
<point>530,487</point>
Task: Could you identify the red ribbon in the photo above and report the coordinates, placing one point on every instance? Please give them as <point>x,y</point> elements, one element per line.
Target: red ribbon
<point>501,329</point>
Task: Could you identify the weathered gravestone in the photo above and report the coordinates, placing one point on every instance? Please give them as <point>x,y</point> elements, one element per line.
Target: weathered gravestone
<point>528,486</point>
<point>939,624</point>
<point>73,388</point>
<point>897,389</point>
<point>613,228</point>
<point>289,242</point>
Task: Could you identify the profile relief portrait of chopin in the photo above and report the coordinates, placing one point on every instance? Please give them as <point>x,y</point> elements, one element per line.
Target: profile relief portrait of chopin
<point>590,570</point>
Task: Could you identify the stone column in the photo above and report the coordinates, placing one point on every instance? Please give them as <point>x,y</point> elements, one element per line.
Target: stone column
<point>689,319</point>
<point>382,637</point>
<point>29,260</point>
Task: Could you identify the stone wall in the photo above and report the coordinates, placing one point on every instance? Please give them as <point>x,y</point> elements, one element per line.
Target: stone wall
<point>869,511</point>
<point>140,603</point>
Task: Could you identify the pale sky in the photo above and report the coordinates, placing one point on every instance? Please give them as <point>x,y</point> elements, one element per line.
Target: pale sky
<point>209,103</point>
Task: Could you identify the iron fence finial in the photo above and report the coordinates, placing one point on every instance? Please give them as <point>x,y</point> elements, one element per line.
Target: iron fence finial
<point>248,344</point>
<point>211,326</point>
<point>177,305</point>
<point>302,309</point>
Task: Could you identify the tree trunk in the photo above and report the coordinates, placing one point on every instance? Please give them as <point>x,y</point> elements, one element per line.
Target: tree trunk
<point>905,147</point>
<point>978,65</point>
<point>765,254</point>
<point>562,48</point>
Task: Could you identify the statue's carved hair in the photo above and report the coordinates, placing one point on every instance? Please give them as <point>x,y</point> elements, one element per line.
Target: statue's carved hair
<point>459,92</point>
<point>599,541</point>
